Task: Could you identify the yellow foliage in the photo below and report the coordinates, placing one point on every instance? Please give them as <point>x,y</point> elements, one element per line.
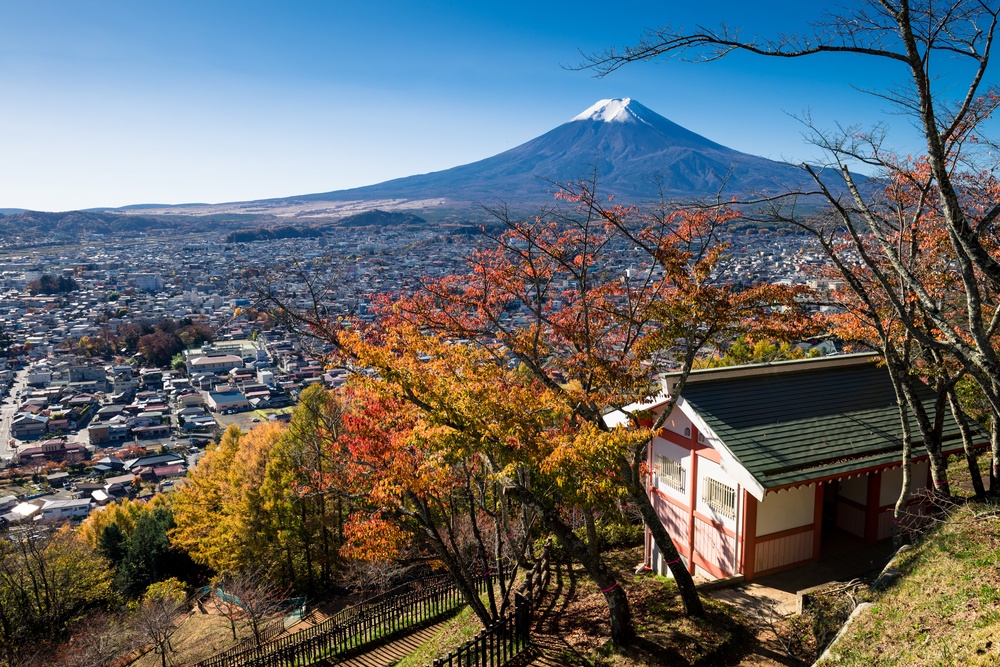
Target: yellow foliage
<point>125,514</point>
<point>219,511</point>
<point>171,589</point>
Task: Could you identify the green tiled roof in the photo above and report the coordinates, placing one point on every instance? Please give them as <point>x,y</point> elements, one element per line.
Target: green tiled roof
<point>802,421</point>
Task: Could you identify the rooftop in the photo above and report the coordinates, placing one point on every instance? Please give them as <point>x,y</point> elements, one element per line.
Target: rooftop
<point>804,420</point>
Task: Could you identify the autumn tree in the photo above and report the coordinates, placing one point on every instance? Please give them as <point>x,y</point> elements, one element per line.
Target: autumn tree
<point>44,582</point>
<point>95,346</point>
<point>265,497</point>
<point>881,311</point>
<point>415,472</point>
<point>49,284</point>
<point>303,491</point>
<point>597,334</point>
<point>551,313</point>
<point>157,614</point>
<point>156,341</point>
<point>866,317</point>
<point>133,536</point>
<point>219,513</point>
<point>943,50</point>
<point>743,351</point>
<point>194,335</point>
<point>159,347</point>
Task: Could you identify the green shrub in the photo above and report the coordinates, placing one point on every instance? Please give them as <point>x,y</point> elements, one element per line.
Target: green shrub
<point>610,535</point>
<point>619,535</point>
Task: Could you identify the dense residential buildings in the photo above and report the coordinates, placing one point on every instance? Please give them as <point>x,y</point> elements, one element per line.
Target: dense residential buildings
<point>78,389</point>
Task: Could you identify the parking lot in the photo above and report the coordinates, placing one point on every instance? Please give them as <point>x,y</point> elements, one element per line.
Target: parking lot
<point>247,420</point>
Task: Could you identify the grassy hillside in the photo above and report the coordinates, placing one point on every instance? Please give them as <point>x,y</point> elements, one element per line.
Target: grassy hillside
<point>945,609</point>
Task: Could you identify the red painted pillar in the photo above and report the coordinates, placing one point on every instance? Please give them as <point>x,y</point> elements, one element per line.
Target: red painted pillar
<point>692,505</point>
<point>648,542</point>
<point>749,534</point>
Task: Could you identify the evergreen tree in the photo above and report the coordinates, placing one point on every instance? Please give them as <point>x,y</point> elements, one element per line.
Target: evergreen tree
<point>113,544</point>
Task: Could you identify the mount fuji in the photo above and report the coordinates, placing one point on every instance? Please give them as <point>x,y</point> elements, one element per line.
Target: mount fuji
<point>635,153</point>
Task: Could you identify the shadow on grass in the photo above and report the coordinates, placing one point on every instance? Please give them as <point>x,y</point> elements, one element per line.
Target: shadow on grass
<point>557,599</point>
<point>549,646</point>
<point>571,627</point>
<point>720,638</point>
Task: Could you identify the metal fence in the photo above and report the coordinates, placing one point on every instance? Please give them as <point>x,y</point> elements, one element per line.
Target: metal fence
<point>267,633</point>
<point>352,627</point>
<point>506,638</point>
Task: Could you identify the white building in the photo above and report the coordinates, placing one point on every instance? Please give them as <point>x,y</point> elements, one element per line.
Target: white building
<point>65,509</point>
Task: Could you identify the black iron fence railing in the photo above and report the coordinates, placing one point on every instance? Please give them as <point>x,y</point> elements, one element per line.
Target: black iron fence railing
<point>352,628</point>
<point>510,635</point>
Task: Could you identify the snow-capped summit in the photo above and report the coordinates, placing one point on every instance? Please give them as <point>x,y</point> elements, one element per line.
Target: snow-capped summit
<point>618,110</point>
<point>635,153</point>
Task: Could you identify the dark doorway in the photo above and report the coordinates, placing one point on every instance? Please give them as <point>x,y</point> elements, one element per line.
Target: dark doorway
<point>831,494</point>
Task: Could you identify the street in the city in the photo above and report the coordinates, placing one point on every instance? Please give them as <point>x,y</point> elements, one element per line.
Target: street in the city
<point>7,409</point>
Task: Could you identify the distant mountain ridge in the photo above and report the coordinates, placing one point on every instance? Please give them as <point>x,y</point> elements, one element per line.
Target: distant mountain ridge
<point>635,154</point>
<point>277,233</point>
<point>26,225</point>
<point>379,218</point>
<point>78,222</point>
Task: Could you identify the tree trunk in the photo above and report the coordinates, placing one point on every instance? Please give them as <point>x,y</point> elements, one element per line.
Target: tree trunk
<point>939,470</point>
<point>591,524</point>
<point>463,581</point>
<point>254,621</point>
<point>325,572</point>
<point>340,522</point>
<point>930,430</point>
<point>619,611</point>
<point>685,582</point>
<point>995,454</point>
<point>899,510</point>
<point>488,565</point>
<point>640,496</point>
<point>307,549</point>
<point>457,569</point>
<point>967,443</point>
<point>290,563</point>
<point>7,634</point>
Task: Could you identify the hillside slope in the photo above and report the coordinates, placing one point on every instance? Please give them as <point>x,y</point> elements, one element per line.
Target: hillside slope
<point>945,609</point>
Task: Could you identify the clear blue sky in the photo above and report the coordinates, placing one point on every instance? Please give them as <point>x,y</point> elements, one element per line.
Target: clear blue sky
<point>114,103</point>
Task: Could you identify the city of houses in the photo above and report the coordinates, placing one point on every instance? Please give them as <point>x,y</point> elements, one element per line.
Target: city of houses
<point>78,432</point>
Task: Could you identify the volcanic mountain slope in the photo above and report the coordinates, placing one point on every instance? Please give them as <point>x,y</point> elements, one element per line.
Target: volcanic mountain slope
<point>635,153</point>
<point>634,150</point>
